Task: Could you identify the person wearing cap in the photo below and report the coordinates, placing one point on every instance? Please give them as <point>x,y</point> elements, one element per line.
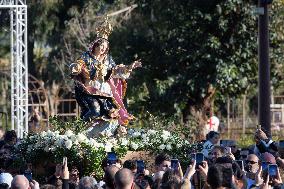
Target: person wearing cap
<point>6,178</point>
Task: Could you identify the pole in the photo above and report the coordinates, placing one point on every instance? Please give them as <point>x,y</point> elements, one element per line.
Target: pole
<point>264,70</point>
<point>228,115</point>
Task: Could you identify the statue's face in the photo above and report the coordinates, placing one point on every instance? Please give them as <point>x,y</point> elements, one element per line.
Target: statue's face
<point>102,48</point>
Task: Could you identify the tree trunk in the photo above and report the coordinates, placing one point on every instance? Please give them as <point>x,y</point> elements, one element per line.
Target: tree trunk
<point>200,110</point>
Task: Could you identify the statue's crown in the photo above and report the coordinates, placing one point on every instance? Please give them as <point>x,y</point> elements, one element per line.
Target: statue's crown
<point>105,29</point>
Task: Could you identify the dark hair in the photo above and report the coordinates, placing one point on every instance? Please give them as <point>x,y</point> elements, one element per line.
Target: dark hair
<point>97,43</point>
<point>221,148</point>
<point>4,186</point>
<point>237,171</point>
<point>211,134</point>
<point>109,176</point>
<point>162,157</point>
<point>224,159</point>
<point>9,135</point>
<point>215,176</point>
<point>170,180</point>
<point>48,186</point>
<point>130,164</point>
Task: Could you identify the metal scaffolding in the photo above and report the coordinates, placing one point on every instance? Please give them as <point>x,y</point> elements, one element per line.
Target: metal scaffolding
<point>19,64</point>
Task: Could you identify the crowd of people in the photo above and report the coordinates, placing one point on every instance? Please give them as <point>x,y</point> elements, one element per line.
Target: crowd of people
<point>220,164</point>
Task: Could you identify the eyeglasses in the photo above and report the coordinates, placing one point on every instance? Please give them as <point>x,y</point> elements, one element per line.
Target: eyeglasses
<point>250,162</point>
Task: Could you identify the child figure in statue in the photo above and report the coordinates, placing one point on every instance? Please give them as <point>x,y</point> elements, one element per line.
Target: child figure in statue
<point>100,84</point>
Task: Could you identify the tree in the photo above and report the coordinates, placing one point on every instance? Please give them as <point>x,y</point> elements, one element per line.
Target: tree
<point>193,51</point>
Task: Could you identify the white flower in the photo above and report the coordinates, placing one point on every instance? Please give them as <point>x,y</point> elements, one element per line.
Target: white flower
<point>134,146</point>
<point>123,142</point>
<point>108,147</point>
<point>162,147</point>
<point>168,147</point>
<point>46,149</point>
<point>68,144</point>
<point>49,134</point>
<point>56,133</point>
<point>58,142</point>
<point>136,134</point>
<point>73,138</point>
<point>178,145</point>
<point>76,142</point>
<point>165,135</point>
<point>152,132</point>
<point>81,137</point>
<point>145,138</point>
<point>68,133</point>
<point>43,134</point>
<point>113,141</point>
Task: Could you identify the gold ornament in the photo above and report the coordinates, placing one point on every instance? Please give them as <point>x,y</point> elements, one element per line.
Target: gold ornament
<point>105,29</point>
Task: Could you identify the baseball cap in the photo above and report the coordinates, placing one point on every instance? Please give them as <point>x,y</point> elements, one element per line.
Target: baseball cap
<point>6,178</point>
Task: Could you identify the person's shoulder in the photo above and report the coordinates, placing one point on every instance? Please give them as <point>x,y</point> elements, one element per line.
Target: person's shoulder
<point>2,143</point>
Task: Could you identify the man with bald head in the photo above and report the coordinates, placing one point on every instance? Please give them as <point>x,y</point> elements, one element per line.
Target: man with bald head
<point>109,176</point>
<point>252,166</point>
<point>124,179</point>
<point>20,182</point>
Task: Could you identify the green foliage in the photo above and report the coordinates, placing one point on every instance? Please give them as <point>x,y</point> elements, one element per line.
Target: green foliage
<point>245,141</point>
<point>188,46</point>
<point>87,154</point>
<point>172,123</point>
<point>76,125</point>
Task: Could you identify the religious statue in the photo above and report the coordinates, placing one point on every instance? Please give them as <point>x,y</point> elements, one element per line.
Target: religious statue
<point>100,84</point>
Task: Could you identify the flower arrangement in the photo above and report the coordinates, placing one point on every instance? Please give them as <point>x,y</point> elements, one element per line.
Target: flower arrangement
<point>88,153</point>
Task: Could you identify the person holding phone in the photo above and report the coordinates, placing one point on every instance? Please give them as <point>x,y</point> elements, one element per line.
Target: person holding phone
<point>217,151</point>
<point>263,143</point>
<point>162,162</point>
<point>212,138</point>
<point>61,175</point>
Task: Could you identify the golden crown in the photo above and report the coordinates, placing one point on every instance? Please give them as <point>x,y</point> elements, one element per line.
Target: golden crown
<point>105,29</point>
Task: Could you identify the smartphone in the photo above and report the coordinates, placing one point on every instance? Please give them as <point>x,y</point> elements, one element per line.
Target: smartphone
<point>64,160</point>
<point>228,150</point>
<point>281,144</point>
<point>264,165</point>
<point>240,163</point>
<point>272,170</point>
<point>174,164</point>
<point>28,175</point>
<point>111,158</point>
<point>258,126</point>
<point>192,156</point>
<point>140,166</point>
<point>199,157</point>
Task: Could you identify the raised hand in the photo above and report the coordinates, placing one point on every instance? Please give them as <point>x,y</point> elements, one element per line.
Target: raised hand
<point>64,172</point>
<point>258,177</point>
<point>136,64</point>
<point>204,168</point>
<point>34,184</point>
<point>277,180</point>
<point>190,171</point>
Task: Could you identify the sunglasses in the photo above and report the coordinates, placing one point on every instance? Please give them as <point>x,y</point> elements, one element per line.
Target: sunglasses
<point>251,162</point>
